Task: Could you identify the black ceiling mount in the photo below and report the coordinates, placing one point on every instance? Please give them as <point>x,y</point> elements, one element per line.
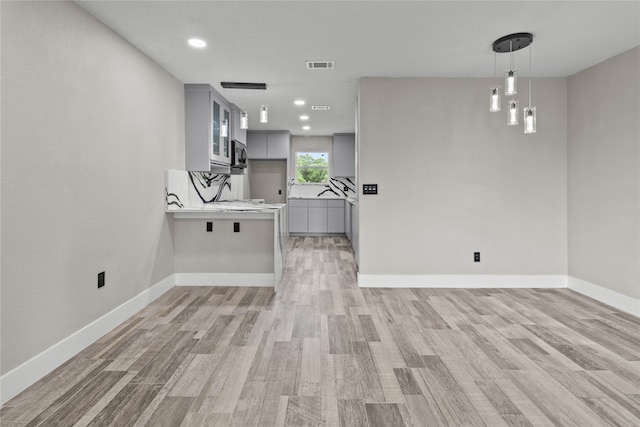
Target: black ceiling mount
<point>237,85</point>
<point>512,42</point>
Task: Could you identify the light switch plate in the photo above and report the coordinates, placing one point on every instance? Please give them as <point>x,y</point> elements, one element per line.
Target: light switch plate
<point>369,188</point>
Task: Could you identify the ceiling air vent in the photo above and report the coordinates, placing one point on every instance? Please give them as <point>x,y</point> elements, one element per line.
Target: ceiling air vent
<point>320,107</point>
<point>243,85</point>
<point>320,65</point>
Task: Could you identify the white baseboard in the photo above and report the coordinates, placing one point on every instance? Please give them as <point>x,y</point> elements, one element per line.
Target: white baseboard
<point>18,379</point>
<point>606,296</point>
<point>461,281</point>
<point>225,279</point>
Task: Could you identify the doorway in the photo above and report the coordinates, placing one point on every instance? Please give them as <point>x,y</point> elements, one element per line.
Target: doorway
<point>268,180</point>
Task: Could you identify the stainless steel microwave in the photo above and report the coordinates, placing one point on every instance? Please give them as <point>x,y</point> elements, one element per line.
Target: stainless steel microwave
<point>238,157</point>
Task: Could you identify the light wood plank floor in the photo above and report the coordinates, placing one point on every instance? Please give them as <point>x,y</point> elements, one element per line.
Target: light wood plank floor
<point>324,352</point>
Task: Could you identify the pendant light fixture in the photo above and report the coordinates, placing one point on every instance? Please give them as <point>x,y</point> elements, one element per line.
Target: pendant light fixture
<point>244,117</point>
<point>264,114</point>
<point>529,112</point>
<point>264,110</point>
<point>512,74</point>
<point>244,120</point>
<point>510,44</point>
<point>512,114</point>
<point>494,98</point>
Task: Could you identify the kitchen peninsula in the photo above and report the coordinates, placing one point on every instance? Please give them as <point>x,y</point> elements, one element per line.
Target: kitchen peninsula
<point>232,243</point>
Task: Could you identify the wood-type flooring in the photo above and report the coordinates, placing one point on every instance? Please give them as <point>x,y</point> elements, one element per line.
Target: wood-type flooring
<point>323,352</point>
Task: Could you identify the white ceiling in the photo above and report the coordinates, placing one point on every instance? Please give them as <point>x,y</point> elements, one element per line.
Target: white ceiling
<point>269,41</point>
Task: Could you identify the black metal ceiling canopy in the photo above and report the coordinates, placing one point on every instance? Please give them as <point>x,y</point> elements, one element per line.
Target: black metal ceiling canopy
<point>240,85</point>
<point>512,42</point>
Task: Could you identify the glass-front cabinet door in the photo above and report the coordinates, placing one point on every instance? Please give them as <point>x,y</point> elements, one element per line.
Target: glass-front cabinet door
<point>220,131</point>
<point>207,142</point>
<point>225,140</point>
<point>215,141</point>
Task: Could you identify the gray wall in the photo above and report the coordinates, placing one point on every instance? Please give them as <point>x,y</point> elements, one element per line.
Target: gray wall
<point>266,178</point>
<point>454,179</point>
<point>198,251</point>
<point>604,174</point>
<point>89,126</point>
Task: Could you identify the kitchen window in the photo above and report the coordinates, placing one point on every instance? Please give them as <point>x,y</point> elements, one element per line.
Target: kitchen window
<point>312,167</point>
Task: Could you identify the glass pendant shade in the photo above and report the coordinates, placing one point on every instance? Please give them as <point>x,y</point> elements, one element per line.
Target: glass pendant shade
<point>494,100</point>
<point>244,120</point>
<point>224,131</point>
<point>512,117</point>
<point>510,82</point>
<point>529,119</point>
<point>264,115</point>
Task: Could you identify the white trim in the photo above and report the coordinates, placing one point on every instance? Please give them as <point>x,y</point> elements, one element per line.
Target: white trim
<point>461,281</point>
<point>605,296</point>
<point>18,379</point>
<point>225,279</point>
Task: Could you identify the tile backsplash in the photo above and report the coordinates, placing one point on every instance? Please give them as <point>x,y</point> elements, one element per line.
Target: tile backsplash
<point>191,189</point>
<point>337,187</point>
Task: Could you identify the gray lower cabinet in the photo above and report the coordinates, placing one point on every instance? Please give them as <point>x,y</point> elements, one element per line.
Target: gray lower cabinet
<point>317,219</point>
<point>335,216</point>
<point>347,219</point>
<point>355,232</point>
<point>316,216</point>
<point>298,216</point>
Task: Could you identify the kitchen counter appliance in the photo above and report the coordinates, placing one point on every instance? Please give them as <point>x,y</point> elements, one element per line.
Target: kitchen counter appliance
<point>238,157</point>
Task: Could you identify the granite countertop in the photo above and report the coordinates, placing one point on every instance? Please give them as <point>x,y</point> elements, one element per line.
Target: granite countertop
<point>329,196</point>
<point>234,207</point>
<point>332,197</point>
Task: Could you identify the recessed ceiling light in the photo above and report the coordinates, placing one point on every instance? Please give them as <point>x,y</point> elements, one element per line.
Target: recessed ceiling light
<point>197,43</point>
<point>306,127</point>
<point>304,117</point>
<point>299,102</point>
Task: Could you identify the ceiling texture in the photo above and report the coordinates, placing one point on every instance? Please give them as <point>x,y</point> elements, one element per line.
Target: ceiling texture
<point>269,42</point>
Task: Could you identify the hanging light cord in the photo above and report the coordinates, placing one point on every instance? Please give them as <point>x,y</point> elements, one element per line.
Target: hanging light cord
<point>494,63</point>
<point>529,76</point>
<point>511,54</point>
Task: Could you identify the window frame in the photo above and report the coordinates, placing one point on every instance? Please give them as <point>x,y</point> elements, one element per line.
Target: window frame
<point>328,154</point>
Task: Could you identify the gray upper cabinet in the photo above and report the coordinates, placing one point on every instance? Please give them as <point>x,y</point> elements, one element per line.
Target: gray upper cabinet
<point>256,145</point>
<point>268,145</point>
<point>278,145</point>
<point>344,155</point>
<point>205,115</point>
